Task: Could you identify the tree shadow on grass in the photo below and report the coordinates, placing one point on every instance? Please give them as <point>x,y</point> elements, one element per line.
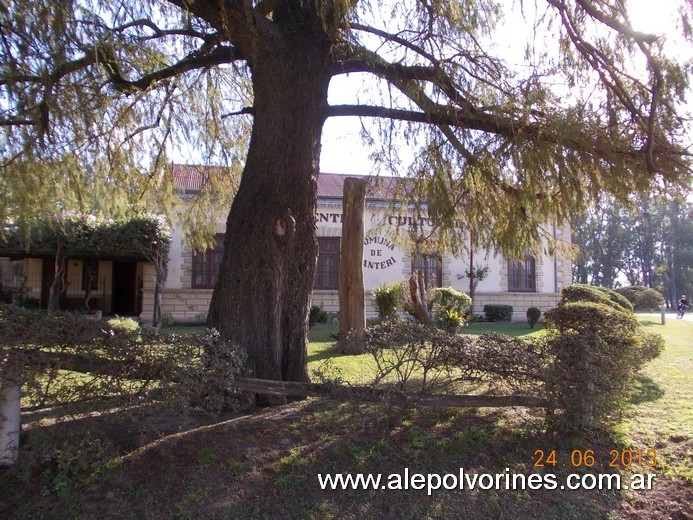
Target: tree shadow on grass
<point>645,390</point>
<point>266,466</point>
<point>324,354</point>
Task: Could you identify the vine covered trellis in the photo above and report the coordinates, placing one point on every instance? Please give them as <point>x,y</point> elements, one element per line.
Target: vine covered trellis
<point>77,235</point>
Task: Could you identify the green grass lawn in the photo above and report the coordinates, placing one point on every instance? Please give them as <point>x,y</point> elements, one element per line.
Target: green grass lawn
<point>325,359</point>
<point>662,412</point>
<point>264,465</point>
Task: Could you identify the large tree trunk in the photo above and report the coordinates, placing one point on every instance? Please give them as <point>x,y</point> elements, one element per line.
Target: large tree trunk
<point>417,289</point>
<point>263,292</point>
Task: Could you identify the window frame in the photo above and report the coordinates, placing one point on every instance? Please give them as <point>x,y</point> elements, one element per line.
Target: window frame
<point>209,262</point>
<point>522,274</point>
<point>320,274</point>
<point>424,259</point>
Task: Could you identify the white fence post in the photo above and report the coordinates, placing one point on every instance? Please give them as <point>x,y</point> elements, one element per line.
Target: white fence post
<point>9,424</point>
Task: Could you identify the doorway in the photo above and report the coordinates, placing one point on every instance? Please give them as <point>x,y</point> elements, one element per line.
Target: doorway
<point>124,288</point>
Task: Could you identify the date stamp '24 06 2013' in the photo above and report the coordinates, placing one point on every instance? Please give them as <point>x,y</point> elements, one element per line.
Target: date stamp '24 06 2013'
<point>624,458</point>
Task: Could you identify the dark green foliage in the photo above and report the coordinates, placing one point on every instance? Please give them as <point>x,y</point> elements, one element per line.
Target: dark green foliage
<point>87,236</point>
<point>498,312</point>
<point>29,303</point>
<point>533,315</point>
<point>449,308</point>
<point>121,360</point>
<point>650,242</point>
<point>592,293</point>
<point>422,358</point>
<point>642,298</point>
<point>317,315</point>
<point>597,349</point>
<point>388,298</point>
<point>617,298</point>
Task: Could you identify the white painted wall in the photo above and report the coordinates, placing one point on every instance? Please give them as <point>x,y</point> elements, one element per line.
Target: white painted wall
<point>385,260</point>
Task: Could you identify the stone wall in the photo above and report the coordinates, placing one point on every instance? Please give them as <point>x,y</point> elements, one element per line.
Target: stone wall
<point>329,302</point>
<point>183,305</point>
<point>520,302</point>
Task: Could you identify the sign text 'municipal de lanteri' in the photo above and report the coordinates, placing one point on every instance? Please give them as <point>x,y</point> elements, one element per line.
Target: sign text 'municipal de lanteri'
<point>376,252</point>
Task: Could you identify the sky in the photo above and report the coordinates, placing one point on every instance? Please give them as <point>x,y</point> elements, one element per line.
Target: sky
<point>343,150</point>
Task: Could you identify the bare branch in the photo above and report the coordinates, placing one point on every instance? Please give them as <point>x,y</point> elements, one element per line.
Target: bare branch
<point>396,39</point>
<point>17,122</point>
<point>242,111</point>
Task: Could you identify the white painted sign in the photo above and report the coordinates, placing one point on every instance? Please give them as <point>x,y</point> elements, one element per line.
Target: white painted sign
<point>377,253</point>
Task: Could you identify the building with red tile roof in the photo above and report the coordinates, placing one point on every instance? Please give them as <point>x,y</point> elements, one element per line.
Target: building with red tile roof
<point>191,276</point>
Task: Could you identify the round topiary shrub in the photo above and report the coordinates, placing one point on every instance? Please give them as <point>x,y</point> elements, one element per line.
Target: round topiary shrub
<point>594,294</point>
<point>597,349</point>
<point>642,298</point>
<point>533,315</point>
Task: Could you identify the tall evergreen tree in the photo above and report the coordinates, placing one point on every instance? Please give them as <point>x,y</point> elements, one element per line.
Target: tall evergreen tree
<point>502,149</point>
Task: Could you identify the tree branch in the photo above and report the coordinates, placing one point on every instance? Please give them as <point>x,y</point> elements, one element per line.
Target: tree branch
<point>242,111</point>
<point>611,76</point>
<point>17,122</point>
<point>265,7</point>
<point>218,56</point>
<point>245,27</point>
<point>615,24</point>
<point>396,39</point>
<point>105,57</point>
<point>508,127</point>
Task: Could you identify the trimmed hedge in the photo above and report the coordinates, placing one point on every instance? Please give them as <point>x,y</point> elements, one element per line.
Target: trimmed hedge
<point>498,312</point>
<point>597,350</point>
<point>124,360</point>
<point>533,315</point>
<point>642,298</point>
<point>594,294</point>
<point>425,359</point>
<point>584,365</point>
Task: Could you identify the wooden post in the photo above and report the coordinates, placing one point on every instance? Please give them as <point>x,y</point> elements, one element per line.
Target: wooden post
<point>352,312</point>
<point>9,422</point>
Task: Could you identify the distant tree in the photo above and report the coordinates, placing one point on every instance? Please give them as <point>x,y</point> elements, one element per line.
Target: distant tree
<point>674,272</point>
<point>603,240</point>
<point>504,148</point>
<point>647,243</point>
